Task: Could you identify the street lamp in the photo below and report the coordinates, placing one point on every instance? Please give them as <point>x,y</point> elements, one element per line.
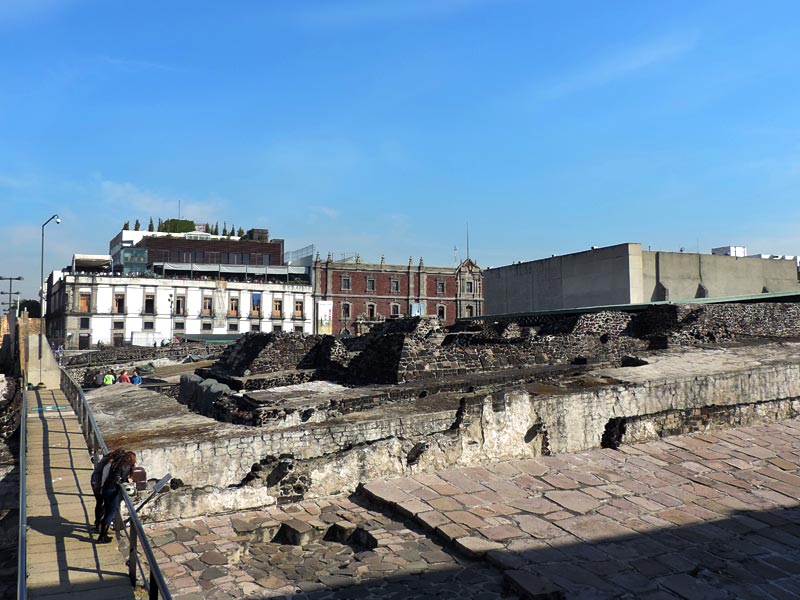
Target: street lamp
<point>41,293</point>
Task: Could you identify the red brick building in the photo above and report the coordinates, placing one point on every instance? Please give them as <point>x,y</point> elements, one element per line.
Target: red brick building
<point>358,295</point>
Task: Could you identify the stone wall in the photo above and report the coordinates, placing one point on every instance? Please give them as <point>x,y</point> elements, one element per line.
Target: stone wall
<point>432,433</point>
<point>115,355</point>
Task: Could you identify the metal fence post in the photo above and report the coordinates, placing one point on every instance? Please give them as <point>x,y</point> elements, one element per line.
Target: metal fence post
<point>132,554</point>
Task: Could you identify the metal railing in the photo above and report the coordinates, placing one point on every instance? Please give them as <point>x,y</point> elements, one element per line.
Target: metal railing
<point>22,541</point>
<point>155,584</point>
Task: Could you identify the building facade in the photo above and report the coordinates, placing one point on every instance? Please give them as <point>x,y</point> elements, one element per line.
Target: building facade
<point>626,274</point>
<point>153,288</point>
<point>85,309</point>
<point>351,297</point>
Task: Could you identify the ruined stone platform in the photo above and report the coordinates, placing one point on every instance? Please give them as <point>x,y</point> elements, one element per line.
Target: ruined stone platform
<point>705,515</point>
<point>331,449</point>
<point>713,515</point>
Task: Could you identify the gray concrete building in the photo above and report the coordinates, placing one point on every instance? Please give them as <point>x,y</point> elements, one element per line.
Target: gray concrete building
<point>626,274</point>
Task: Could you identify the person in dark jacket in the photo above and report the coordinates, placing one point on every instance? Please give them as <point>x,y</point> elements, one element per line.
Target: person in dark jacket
<point>114,473</point>
<point>97,488</point>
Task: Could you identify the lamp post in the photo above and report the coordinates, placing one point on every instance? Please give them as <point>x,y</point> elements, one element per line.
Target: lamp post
<point>41,293</point>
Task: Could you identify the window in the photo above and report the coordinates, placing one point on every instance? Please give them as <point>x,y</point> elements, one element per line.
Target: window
<point>149,325</point>
<point>469,287</point>
<point>84,322</point>
<point>395,310</point>
<point>395,286</point>
<point>85,303</point>
<point>233,307</point>
<point>298,309</point>
<point>255,309</point>
<point>298,329</point>
<point>119,324</point>
<point>440,287</point>
<point>440,312</point>
<point>180,305</point>
<point>469,311</point>
<point>345,310</point>
<point>277,328</point>
<point>179,326</point>
<point>206,306</point>
<point>149,304</point>
<point>233,327</point>
<point>345,282</point>
<point>256,327</point>
<point>119,303</point>
<point>206,327</point>
<point>277,309</point>
<point>370,284</point>
<point>370,311</point>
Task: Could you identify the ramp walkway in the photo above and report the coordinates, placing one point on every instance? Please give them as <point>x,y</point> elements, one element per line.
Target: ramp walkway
<point>63,558</point>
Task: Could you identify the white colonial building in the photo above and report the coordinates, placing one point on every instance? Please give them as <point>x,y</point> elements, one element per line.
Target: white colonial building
<point>88,304</point>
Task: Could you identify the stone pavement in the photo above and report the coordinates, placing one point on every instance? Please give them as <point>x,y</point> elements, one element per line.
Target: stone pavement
<point>706,515</point>
<point>317,550</point>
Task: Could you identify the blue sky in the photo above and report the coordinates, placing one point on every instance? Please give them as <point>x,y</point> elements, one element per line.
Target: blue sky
<point>384,127</point>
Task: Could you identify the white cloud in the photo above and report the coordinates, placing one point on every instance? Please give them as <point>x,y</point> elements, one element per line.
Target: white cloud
<point>131,200</point>
<point>621,65</point>
<point>15,12</point>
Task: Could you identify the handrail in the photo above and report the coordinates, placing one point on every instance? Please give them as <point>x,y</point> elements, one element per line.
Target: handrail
<point>156,585</point>
<point>22,540</point>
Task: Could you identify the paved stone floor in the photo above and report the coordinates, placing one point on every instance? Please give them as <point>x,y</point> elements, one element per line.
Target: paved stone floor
<point>711,515</point>
<point>320,550</point>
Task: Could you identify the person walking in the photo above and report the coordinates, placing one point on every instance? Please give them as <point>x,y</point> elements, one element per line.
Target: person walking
<point>124,377</point>
<point>98,379</point>
<point>136,379</point>
<point>97,488</point>
<point>115,473</point>
<point>109,379</point>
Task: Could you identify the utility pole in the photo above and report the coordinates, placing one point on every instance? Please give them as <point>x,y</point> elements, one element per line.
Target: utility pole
<point>11,293</point>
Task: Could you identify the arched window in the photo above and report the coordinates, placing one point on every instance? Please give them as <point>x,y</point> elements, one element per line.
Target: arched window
<point>441,312</point>
<point>345,310</point>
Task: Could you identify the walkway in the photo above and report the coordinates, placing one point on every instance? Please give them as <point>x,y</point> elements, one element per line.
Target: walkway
<point>63,559</point>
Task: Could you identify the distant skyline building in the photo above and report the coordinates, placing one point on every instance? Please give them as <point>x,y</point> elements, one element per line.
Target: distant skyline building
<point>164,286</point>
<point>351,296</point>
<point>626,274</point>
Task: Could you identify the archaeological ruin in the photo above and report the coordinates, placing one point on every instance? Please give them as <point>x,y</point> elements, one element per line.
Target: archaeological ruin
<point>283,417</point>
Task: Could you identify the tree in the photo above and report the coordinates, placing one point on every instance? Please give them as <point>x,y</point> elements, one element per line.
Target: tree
<point>126,226</point>
<point>137,226</point>
<point>33,307</point>
<point>208,228</point>
<point>240,233</point>
<point>150,226</point>
<point>216,228</point>
<point>225,228</point>
<point>178,226</point>
<point>160,225</point>
<point>232,230</point>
